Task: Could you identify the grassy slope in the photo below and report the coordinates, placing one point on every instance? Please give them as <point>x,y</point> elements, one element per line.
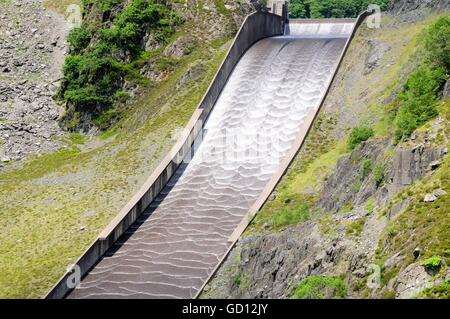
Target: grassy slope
<point>53,207</point>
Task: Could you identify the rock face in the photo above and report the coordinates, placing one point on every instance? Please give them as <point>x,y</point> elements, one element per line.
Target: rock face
<point>402,6</point>
<point>31,55</point>
<point>345,184</point>
<point>375,54</point>
<point>410,164</point>
<point>179,47</point>
<point>446,91</point>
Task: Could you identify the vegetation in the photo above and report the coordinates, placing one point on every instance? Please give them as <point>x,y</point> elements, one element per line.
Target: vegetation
<point>366,168</point>
<point>100,58</point>
<point>441,291</point>
<point>432,263</point>
<point>378,173</point>
<point>355,228</point>
<point>331,8</point>
<point>320,287</point>
<point>358,135</point>
<point>287,216</point>
<point>418,99</point>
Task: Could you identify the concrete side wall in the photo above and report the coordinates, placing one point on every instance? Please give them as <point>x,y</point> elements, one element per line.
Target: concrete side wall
<point>255,27</point>
<point>270,186</point>
<point>332,20</point>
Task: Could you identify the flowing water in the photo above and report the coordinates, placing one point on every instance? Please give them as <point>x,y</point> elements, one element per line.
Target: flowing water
<point>176,244</point>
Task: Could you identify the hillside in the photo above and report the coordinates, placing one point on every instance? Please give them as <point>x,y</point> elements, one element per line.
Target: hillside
<point>363,210</point>
<point>86,115</point>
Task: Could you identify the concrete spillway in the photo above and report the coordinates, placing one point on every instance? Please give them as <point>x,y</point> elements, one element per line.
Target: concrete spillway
<point>178,241</point>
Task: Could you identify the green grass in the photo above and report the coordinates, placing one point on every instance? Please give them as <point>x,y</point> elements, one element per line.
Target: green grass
<point>287,216</point>
<point>320,287</point>
<point>355,228</point>
<point>370,204</point>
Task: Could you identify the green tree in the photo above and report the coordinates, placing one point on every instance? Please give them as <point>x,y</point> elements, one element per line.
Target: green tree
<point>437,43</point>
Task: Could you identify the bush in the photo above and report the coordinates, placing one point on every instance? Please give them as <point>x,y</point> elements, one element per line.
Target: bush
<point>432,263</point>
<point>378,173</point>
<point>95,71</point>
<point>79,39</point>
<point>418,99</point>
<point>366,168</point>
<point>438,45</point>
<point>358,135</point>
<point>320,287</point>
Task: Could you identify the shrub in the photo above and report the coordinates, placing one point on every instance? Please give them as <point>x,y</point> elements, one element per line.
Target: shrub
<point>95,70</point>
<point>358,135</point>
<point>378,173</point>
<point>79,39</point>
<point>437,44</point>
<point>418,99</point>
<point>366,168</point>
<point>320,287</point>
<point>432,263</point>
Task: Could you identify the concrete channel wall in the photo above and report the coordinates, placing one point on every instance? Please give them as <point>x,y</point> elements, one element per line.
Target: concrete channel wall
<point>301,136</point>
<point>256,26</point>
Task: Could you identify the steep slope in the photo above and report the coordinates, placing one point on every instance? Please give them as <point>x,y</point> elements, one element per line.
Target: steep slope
<point>369,222</point>
<point>52,206</point>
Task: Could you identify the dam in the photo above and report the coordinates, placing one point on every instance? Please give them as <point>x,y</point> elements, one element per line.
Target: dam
<point>175,245</point>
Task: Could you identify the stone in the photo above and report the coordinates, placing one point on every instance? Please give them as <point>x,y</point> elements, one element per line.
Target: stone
<point>446,91</point>
<point>439,192</point>
<point>429,198</point>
